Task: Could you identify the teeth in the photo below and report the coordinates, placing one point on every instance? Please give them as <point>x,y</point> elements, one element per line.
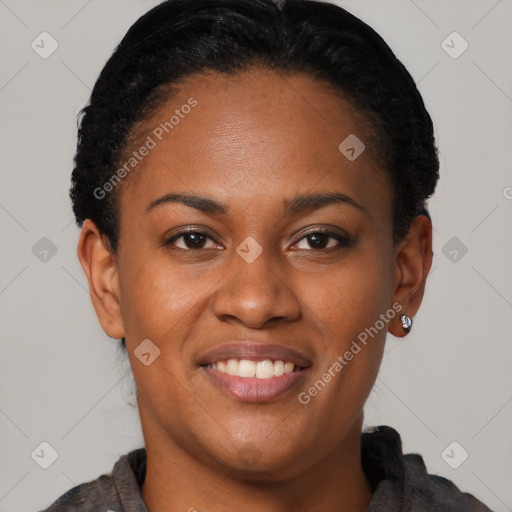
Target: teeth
<point>245,368</point>
<point>265,369</point>
<point>232,367</point>
<point>278,368</point>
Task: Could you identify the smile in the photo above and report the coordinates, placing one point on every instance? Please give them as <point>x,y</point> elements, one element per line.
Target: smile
<point>254,372</point>
<point>254,381</point>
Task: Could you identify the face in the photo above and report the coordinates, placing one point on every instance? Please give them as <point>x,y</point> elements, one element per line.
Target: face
<point>287,256</point>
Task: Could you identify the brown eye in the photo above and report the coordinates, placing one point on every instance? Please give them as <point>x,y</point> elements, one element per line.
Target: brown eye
<point>322,240</point>
<point>190,240</point>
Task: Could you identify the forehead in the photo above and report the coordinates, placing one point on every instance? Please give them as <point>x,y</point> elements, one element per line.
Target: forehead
<point>246,134</point>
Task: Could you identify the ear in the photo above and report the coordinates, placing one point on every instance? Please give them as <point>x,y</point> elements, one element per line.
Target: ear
<point>412,265</point>
<point>100,267</point>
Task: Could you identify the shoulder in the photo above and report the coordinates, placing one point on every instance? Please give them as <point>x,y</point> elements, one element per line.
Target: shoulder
<point>423,489</point>
<point>86,497</point>
<point>401,482</point>
<point>109,491</point>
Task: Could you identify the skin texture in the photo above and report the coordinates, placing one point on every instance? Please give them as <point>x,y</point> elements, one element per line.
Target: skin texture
<point>253,141</point>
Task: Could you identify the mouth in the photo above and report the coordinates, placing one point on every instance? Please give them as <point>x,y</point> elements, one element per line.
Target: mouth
<point>253,372</point>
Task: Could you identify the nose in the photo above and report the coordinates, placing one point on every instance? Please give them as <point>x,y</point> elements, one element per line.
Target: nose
<point>256,293</point>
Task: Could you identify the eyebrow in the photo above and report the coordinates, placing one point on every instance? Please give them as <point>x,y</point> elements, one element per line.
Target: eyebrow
<point>299,204</point>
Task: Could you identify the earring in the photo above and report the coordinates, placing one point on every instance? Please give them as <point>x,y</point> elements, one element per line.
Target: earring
<point>406,323</point>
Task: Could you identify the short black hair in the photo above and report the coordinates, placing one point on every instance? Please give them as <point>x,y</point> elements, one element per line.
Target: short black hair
<point>178,38</point>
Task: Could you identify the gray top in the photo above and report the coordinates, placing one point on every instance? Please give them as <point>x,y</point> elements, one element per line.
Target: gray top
<point>400,483</point>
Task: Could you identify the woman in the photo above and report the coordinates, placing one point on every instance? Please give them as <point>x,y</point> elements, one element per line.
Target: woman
<point>251,181</point>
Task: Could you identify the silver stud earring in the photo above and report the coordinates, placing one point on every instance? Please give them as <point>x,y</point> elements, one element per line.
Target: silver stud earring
<point>406,323</point>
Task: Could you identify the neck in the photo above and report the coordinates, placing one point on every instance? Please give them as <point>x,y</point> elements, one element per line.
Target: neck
<point>176,481</point>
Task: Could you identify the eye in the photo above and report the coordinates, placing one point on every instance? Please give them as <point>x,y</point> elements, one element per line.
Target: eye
<point>191,239</point>
<point>323,240</point>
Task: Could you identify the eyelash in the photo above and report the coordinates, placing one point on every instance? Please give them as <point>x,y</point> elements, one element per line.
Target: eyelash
<point>344,241</point>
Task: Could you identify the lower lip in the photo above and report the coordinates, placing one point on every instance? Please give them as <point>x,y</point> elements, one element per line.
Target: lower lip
<point>252,389</point>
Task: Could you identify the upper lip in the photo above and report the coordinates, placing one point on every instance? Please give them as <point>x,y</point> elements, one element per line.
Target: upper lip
<point>254,352</point>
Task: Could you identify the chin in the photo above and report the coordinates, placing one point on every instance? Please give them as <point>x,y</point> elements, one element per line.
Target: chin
<point>259,459</point>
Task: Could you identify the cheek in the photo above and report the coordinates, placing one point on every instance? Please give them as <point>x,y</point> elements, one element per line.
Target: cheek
<point>346,305</point>
<point>157,299</point>
<point>348,298</point>
<point>162,305</point>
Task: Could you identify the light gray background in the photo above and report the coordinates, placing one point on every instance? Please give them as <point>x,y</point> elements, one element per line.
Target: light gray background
<point>64,382</point>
